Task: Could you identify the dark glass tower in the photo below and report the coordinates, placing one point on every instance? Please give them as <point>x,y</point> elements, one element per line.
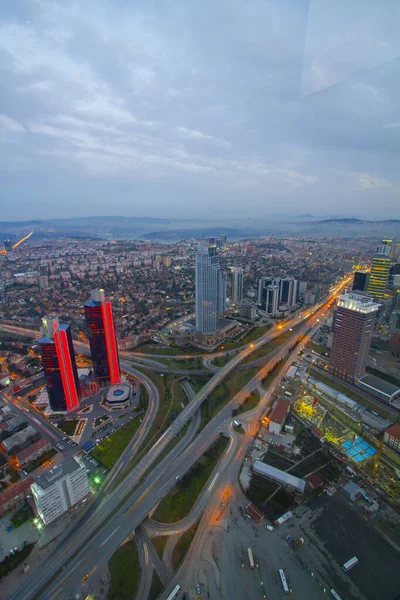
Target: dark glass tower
<point>103,344</point>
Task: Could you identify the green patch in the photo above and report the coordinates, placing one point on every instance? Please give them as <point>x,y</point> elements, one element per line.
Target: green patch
<point>249,403</point>
<point>68,426</point>
<point>109,451</point>
<point>226,390</point>
<point>124,568</point>
<point>167,350</point>
<point>34,464</point>
<point>156,586</point>
<point>11,562</point>
<point>171,395</point>
<point>318,348</point>
<point>99,420</point>
<point>183,545</point>
<point>239,429</point>
<point>178,503</point>
<point>21,516</point>
<point>159,544</point>
<point>252,335</point>
<point>199,381</point>
<point>221,361</point>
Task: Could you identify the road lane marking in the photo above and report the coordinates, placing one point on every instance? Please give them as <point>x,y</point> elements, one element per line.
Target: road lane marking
<point>107,538</point>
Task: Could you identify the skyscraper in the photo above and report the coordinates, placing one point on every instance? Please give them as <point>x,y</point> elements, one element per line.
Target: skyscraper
<point>272,300</point>
<point>288,288</point>
<point>360,281</point>
<point>380,270</point>
<point>210,290</point>
<point>103,344</point>
<point>353,326</point>
<point>59,365</point>
<point>237,285</point>
<point>222,293</point>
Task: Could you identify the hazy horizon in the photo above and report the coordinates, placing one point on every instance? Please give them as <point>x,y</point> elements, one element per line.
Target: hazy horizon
<point>183,111</point>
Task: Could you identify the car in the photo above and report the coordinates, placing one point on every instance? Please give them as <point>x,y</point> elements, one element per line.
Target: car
<point>16,549</point>
<point>269,527</point>
<point>198,589</point>
<point>84,578</point>
<point>10,527</point>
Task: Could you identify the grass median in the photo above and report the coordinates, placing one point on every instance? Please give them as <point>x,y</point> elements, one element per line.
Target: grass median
<point>109,451</point>
<point>183,545</point>
<point>178,503</point>
<point>248,404</point>
<point>159,544</point>
<point>226,390</point>
<point>124,566</point>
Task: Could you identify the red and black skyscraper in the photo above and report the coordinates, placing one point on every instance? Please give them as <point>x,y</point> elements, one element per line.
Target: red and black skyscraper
<point>59,365</point>
<point>103,344</point>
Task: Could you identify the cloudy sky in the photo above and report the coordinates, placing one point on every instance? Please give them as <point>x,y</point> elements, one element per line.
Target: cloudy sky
<point>191,109</point>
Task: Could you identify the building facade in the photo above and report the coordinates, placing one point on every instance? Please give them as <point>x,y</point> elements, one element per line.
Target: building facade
<point>102,340</point>
<point>237,285</point>
<point>210,290</point>
<point>59,365</point>
<point>352,329</point>
<point>380,268</point>
<point>60,489</point>
<point>360,281</point>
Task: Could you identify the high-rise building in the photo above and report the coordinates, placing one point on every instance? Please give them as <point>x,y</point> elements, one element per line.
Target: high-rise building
<point>59,365</point>
<point>352,329</point>
<point>60,489</point>
<point>272,300</point>
<point>288,288</point>
<point>287,292</point>
<point>210,290</point>
<point>102,340</point>
<point>222,293</point>
<point>237,285</point>
<point>380,270</point>
<point>360,281</point>
<point>223,239</point>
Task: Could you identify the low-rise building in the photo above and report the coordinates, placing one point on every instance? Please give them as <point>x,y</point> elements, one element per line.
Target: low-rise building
<point>32,452</point>
<point>278,416</point>
<point>282,477</point>
<point>381,390</point>
<point>391,437</point>
<point>15,495</point>
<point>18,440</point>
<point>60,489</point>
<point>118,396</point>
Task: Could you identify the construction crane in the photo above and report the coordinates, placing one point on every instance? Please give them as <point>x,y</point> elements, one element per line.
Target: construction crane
<point>4,251</point>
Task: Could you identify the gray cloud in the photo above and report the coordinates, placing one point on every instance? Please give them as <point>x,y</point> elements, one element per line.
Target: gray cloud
<point>185,107</point>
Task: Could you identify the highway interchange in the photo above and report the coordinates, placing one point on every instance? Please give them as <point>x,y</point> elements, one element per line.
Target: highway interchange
<point>116,513</point>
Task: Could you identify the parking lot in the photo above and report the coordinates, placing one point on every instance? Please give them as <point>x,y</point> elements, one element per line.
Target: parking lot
<point>335,531</point>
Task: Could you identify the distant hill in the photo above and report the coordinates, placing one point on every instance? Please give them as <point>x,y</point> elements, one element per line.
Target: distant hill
<point>353,221</point>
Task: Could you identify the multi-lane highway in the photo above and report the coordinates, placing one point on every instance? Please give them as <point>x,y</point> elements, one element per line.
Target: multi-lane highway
<point>96,536</point>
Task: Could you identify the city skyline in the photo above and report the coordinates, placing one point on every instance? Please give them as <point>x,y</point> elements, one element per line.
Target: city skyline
<point>247,109</point>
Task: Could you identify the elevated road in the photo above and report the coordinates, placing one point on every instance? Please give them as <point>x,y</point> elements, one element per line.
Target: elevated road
<point>85,547</point>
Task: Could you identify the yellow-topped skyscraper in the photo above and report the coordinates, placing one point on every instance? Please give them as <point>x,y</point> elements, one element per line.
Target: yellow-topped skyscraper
<point>380,270</point>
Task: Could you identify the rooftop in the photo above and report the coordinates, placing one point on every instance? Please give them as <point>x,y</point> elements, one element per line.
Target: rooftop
<point>281,409</point>
<point>379,384</point>
<point>358,303</point>
<point>278,475</point>
<point>32,449</point>
<point>394,431</point>
<point>68,466</point>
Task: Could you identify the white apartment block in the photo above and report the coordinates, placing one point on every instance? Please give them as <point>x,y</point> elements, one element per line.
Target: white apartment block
<point>61,488</point>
